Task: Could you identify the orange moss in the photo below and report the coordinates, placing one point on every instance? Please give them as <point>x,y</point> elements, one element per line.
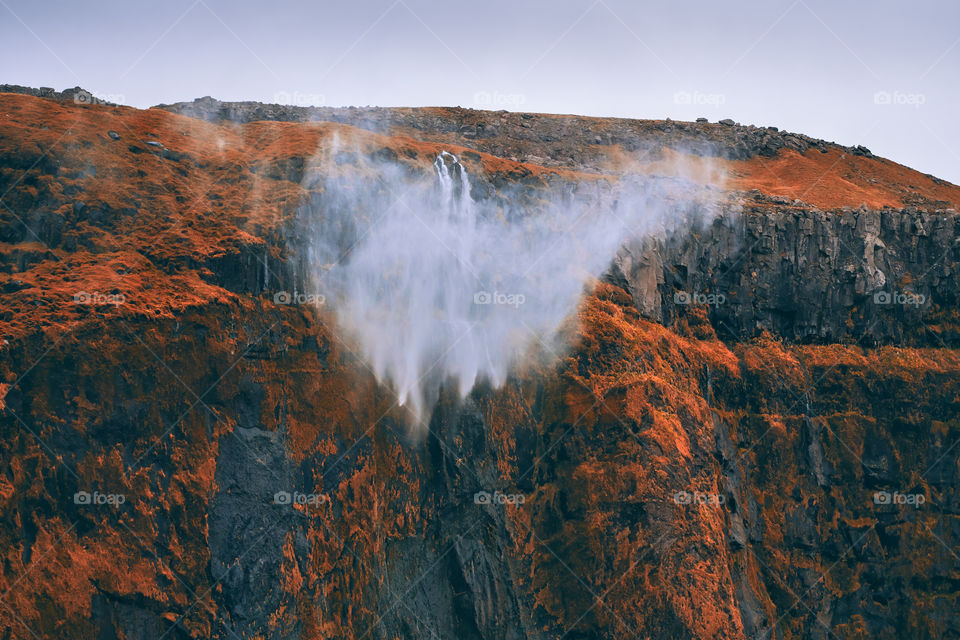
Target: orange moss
<point>838,179</point>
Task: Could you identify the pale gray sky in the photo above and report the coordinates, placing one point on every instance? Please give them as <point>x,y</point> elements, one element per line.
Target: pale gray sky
<point>883,74</point>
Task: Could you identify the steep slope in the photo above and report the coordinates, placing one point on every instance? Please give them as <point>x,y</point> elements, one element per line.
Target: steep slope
<point>779,462</point>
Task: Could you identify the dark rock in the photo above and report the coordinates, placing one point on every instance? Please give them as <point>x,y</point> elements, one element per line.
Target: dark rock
<point>808,275</point>
<point>14,285</point>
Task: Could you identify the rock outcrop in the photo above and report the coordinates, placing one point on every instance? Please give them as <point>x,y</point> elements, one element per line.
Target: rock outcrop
<point>851,275</point>
<point>561,140</point>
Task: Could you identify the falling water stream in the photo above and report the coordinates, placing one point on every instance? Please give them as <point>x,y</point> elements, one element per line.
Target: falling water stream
<point>440,288</point>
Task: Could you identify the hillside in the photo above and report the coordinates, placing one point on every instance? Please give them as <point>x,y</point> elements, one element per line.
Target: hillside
<point>780,463</point>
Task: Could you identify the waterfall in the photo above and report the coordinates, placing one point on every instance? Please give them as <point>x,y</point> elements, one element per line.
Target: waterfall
<point>436,287</point>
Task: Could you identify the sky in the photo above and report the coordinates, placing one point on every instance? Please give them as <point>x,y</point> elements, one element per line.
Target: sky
<point>883,74</point>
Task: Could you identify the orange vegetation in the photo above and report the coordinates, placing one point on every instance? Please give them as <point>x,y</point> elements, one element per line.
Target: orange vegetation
<point>631,415</point>
<point>837,179</point>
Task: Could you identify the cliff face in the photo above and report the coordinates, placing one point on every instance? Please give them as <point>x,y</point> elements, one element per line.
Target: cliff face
<point>751,434</point>
<point>850,275</point>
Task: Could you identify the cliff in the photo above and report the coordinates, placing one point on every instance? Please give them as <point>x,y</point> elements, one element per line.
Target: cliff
<point>751,434</point>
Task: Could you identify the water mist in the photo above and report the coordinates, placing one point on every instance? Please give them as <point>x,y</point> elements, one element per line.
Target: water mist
<point>442,281</point>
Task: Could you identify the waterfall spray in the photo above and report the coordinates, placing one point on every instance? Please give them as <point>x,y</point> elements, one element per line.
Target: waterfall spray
<point>437,287</point>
